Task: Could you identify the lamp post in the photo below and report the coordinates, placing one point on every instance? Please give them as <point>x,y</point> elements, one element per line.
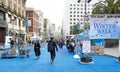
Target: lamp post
<point>86,18</point>
<point>86,42</point>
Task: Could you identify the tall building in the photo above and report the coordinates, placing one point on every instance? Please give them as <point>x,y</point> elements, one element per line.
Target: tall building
<point>33,17</point>
<point>47,26</point>
<point>74,13</point>
<point>41,21</point>
<point>12,15</point>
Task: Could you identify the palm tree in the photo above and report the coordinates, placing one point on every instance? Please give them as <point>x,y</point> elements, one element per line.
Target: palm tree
<point>107,7</point>
<point>75,30</point>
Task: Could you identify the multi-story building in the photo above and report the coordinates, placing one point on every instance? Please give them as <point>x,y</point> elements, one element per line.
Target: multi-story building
<point>12,15</point>
<point>47,30</point>
<point>74,13</point>
<point>51,29</point>
<point>33,28</point>
<point>41,21</point>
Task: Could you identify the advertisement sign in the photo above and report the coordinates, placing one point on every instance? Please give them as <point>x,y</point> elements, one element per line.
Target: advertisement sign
<point>104,28</point>
<point>7,41</point>
<point>86,46</point>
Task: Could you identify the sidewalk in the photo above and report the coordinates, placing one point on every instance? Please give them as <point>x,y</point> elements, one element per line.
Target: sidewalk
<point>114,52</point>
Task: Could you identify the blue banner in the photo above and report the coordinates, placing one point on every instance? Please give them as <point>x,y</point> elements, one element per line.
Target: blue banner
<point>25,22</point>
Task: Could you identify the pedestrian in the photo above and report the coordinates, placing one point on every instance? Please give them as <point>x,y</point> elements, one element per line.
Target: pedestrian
<point>13,50</point>
<point>11,43</point>
<point>77,47</point>
<point>52,48</point>
<point>81,47</point>
<point>37,49</point>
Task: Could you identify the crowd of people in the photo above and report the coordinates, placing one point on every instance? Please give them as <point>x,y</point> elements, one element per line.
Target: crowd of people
<point>52,46</point>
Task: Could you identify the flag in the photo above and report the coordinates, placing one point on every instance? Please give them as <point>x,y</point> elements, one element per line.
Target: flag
<point>25,22</point>
<point>78,26</point>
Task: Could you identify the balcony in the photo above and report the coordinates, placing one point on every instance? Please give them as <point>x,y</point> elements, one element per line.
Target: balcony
<point>3,24</point>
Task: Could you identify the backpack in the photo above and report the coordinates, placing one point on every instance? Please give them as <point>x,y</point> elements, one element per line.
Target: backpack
<point>50,46</point>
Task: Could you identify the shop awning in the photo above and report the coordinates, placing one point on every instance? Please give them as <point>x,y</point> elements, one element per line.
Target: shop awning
<point>22,32</point>
<point>13,31</point>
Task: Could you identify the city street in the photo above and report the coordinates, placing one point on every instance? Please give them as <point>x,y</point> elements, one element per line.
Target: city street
<point>64,62</point>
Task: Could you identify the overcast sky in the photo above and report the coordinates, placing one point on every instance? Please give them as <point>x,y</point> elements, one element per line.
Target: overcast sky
<point>52,9</point>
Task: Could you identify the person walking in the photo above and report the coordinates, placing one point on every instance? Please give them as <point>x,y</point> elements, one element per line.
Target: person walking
<point>11,43</point>
<point>13,49</point>
<point>37,49</point>
<point>52,48</point>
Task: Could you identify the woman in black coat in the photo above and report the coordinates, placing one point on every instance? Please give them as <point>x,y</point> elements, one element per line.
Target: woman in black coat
<point>37,49</point>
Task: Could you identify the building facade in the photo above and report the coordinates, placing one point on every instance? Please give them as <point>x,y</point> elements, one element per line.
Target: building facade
<point>33,17</point>
<point>12,15</point>
<point>41,21</point>
<point>74,14</point>
<point>47,23</point>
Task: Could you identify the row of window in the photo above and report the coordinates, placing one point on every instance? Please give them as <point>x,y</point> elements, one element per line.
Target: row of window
<point>80,8</point>
<point>14,7</point>
<point>80,4</point>
<point>15,18</point>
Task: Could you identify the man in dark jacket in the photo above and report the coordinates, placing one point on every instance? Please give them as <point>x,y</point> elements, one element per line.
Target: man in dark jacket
<point>51,48</point>
<point>11,43</point>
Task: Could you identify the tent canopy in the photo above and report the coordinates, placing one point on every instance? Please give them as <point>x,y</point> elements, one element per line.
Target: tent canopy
<point>35,38</point>
<point>81,35</point>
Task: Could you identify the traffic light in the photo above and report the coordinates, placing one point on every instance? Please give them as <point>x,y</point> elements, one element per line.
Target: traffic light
<point>88,1</point>
<point>78,1</point>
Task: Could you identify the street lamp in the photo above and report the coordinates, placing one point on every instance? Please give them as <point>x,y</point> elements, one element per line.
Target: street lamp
<point>86,41</point>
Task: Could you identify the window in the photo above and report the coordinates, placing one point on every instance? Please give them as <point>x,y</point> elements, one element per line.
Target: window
<point>19,1</point>
<point>9,3</point>
<point>19,10</point>
<point>74,12</point>
<point>74,19</point>
<point>74,16</point>
<point>74,8</point>
<point>70,15</point>
<point>70,4</point>
<point>14,6</point>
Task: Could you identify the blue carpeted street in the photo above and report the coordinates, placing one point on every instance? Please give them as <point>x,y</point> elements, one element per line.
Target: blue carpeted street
<point>64,62</point>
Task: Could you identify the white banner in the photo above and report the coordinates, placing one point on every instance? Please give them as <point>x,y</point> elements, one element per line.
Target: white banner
<point>104,28</point>
<point>86,46</point>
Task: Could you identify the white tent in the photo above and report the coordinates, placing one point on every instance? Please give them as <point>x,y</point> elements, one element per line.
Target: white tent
<point>35,38</point>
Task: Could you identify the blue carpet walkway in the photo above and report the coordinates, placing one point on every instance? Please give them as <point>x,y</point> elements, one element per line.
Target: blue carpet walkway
<point>64,62</point>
